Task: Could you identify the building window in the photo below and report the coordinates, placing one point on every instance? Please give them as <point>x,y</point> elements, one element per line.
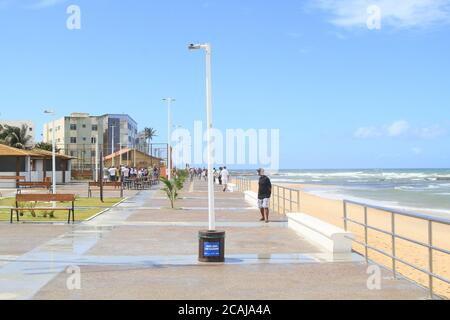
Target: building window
<point>92,154</point>
<point>73,127</point>
<point>84,126</point>
<point>31,129</point>
<point>84,139</point>
<point>93,140</point>
<point>94,127</point>
<point>73,140</point>
<point>72,153</point>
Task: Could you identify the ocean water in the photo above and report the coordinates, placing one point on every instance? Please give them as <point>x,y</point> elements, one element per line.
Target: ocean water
<point>422,190</point>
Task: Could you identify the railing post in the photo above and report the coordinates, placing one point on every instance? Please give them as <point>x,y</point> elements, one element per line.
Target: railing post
<point>366,234</point>
<point>284,201</point>
<point>298,201</point>
<point>273,199</point>
<point>430,257</point>
<point>345,216</point>
<point>278,201</point>
<point>394,251</point>
<point>290,199</point>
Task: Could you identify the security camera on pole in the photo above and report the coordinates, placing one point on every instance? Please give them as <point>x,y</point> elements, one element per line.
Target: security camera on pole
<point>212,242</point>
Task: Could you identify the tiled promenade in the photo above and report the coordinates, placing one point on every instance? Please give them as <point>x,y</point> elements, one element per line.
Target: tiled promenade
<point>143,250</point>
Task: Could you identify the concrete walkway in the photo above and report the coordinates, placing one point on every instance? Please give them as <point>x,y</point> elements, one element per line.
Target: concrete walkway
<point>143,250</point>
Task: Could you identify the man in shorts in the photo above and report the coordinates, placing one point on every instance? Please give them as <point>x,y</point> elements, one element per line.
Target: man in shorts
<point>264,194</point>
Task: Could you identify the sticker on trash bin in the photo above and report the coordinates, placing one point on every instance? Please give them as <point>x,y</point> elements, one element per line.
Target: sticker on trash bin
<point>212,249</point>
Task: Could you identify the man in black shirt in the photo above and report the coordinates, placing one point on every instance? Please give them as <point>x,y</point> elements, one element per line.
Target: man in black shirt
<point>264,194</point>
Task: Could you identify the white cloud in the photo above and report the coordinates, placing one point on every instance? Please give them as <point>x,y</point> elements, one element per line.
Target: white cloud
<point>30,4</point>
<point>431,132</point>
<point>368,132</point>
<point>394,13</point>
<point>45,3</point>
<point>398,128</point>
<point>401,128</point>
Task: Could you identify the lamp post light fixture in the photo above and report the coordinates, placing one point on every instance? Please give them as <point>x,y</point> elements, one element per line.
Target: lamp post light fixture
<point>52,113</point>
<point>169,136</point>
<point>212,242</point>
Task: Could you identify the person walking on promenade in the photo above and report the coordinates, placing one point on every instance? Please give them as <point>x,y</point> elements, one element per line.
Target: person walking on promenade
<point>225,176</point>
<point>215,175</point>
<point>264,194</point>
<point>112,174</point>
<point>204,175</point>
<point>220,176</point>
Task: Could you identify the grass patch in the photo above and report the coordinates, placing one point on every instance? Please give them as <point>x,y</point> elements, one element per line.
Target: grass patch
<point>84,209</point>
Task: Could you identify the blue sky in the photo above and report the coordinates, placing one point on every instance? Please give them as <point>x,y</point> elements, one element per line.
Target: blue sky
<point>342,95</point>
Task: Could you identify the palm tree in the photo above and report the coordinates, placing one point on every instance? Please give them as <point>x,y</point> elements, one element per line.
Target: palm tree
<point>149,134</point>
<point>15,137</point>
<point>46,147</point>
<point>2,137</point>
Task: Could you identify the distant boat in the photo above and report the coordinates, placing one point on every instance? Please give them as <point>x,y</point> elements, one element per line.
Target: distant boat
<point>443,179</point>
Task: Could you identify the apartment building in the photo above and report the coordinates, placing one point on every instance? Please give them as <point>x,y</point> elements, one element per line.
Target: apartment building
<point>80,135</point>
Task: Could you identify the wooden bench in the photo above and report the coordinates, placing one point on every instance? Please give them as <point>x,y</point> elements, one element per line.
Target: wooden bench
<point>33,185</point>
<point>140,183</point>
<point>15,178</point>
<point>35,198</point>
<point>115,185</point>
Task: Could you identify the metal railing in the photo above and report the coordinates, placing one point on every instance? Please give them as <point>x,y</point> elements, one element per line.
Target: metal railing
<point>393,234</point>
<point>280,203</point>
<point>279,199</point>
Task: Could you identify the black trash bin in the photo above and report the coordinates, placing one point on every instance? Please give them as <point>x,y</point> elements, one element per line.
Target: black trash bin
<point>212,246</point>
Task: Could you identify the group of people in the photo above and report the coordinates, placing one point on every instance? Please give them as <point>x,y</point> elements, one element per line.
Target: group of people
<point>123,173</point>
<point>220,176</point>
<point>199,173</point>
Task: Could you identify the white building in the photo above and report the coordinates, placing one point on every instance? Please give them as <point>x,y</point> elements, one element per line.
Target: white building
<point>19,124</point>
<point>34,165</point>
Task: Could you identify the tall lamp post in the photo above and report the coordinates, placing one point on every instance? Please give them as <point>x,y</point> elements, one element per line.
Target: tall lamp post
<point>52,113</point>
<point>212,242</point>
<point>169,137</point>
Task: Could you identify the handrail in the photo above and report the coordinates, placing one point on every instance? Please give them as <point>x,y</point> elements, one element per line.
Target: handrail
<point>244,184</point>
<point>402,212</point>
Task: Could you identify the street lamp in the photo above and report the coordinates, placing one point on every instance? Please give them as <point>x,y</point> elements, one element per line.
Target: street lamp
<point>169,147</point>
<point>212,242</point>
<point>52,113</point>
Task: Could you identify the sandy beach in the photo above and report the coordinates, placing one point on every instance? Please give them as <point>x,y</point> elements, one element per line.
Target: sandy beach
<point>331,211</point>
